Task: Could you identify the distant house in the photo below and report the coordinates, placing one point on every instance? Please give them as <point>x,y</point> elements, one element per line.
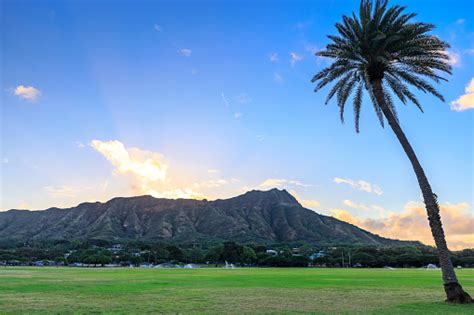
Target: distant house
<point>296,252</point>
<point>69,252</point>
<point>112,265</point>
<point>272,252</point>
<point>41,263</point>
<point>116,248</point>
<point>76,264</point>
<point>319,254</point>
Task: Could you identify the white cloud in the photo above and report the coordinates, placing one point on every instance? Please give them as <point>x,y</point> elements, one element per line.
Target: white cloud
<point>28,93</point>
<point>381,210</point>
<point>63,191</point>
<point>213,171</point>
<point>460,21</point>
<point>360,185</point>
<point>298,183</point>
<point>186,52</point>
<point>273,182</point>
<point>238,115</point>
<point>260,137</point>
<point>294,58</point>
<point>355,205</point>
<point>454,58</point>
<point>158,28</point>
<point>277,77</point>
<point>185,193</point>
<point>143,164</point>
<point>313,49</point>
<point>367,210</point>
<point>147,171</point>
<point>466,101</point>
<point>273,57</point>
<point>23,206</point>
<point>280,182</point>
<point>80,145</point>
<point>243,98</point>
<point>302,25</point>
<point>307,203</point>
<point>4,161</point>
<point>224,99</point>
<point>213,183</point>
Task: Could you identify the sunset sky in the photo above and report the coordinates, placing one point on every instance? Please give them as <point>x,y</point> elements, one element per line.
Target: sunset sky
<point>179,99</point>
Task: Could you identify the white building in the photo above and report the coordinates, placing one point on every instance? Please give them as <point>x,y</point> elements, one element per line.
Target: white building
<point>272,252</point>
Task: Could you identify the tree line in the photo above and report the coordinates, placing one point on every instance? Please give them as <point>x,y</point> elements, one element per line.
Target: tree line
<point>99,252</point>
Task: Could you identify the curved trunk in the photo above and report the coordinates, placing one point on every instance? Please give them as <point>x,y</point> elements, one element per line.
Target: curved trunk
<point>453,289</point>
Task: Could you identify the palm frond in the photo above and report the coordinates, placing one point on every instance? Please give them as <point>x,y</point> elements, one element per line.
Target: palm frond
<point>382,43</point>
<point>358,105</point>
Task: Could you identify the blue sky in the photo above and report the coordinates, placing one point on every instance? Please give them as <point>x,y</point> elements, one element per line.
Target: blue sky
<point>212,99</point>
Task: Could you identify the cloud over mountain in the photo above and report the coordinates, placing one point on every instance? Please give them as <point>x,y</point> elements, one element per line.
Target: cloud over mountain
<point>412,223</point>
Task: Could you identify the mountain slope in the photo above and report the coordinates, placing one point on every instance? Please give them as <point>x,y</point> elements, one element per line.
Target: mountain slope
<point>272,216</point>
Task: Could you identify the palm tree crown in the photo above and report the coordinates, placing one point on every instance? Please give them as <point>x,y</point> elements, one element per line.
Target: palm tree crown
<point>382,44</point>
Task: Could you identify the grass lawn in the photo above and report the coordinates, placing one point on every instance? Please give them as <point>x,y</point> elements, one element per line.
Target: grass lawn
<point>209,290</point>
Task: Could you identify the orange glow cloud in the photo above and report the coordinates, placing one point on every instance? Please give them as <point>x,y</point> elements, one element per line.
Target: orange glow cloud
<point>28,93</point>
<point>307,203</point>
<point>465,101</point>
<point>412,224</point>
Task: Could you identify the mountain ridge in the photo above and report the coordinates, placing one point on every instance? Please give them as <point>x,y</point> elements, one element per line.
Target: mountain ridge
<point>273,216</point>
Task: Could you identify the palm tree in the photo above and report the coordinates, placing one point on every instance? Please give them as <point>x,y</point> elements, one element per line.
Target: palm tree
<point>382,50</point>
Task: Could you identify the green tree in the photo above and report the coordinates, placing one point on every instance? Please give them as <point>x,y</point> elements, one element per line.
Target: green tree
<point>248,255</point>
<point>136,260</point>
<point>194,255</point>
<point>382,50</point>
<point>214,254</point>
<point>99,258</point>
<point>365,259</point>
<point>175,253</point>
<point>60,260</point>
<point>232,252</point>
<point>160,253</point>
<point>103,259</point>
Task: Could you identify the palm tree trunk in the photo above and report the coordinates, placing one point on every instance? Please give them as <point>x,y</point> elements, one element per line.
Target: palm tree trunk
<point>453,289</point>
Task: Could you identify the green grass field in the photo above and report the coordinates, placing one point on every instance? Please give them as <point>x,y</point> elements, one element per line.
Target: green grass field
<point>211,290</point>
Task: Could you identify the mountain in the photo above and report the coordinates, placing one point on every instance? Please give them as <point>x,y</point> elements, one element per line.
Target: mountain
<point>272,216</point>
